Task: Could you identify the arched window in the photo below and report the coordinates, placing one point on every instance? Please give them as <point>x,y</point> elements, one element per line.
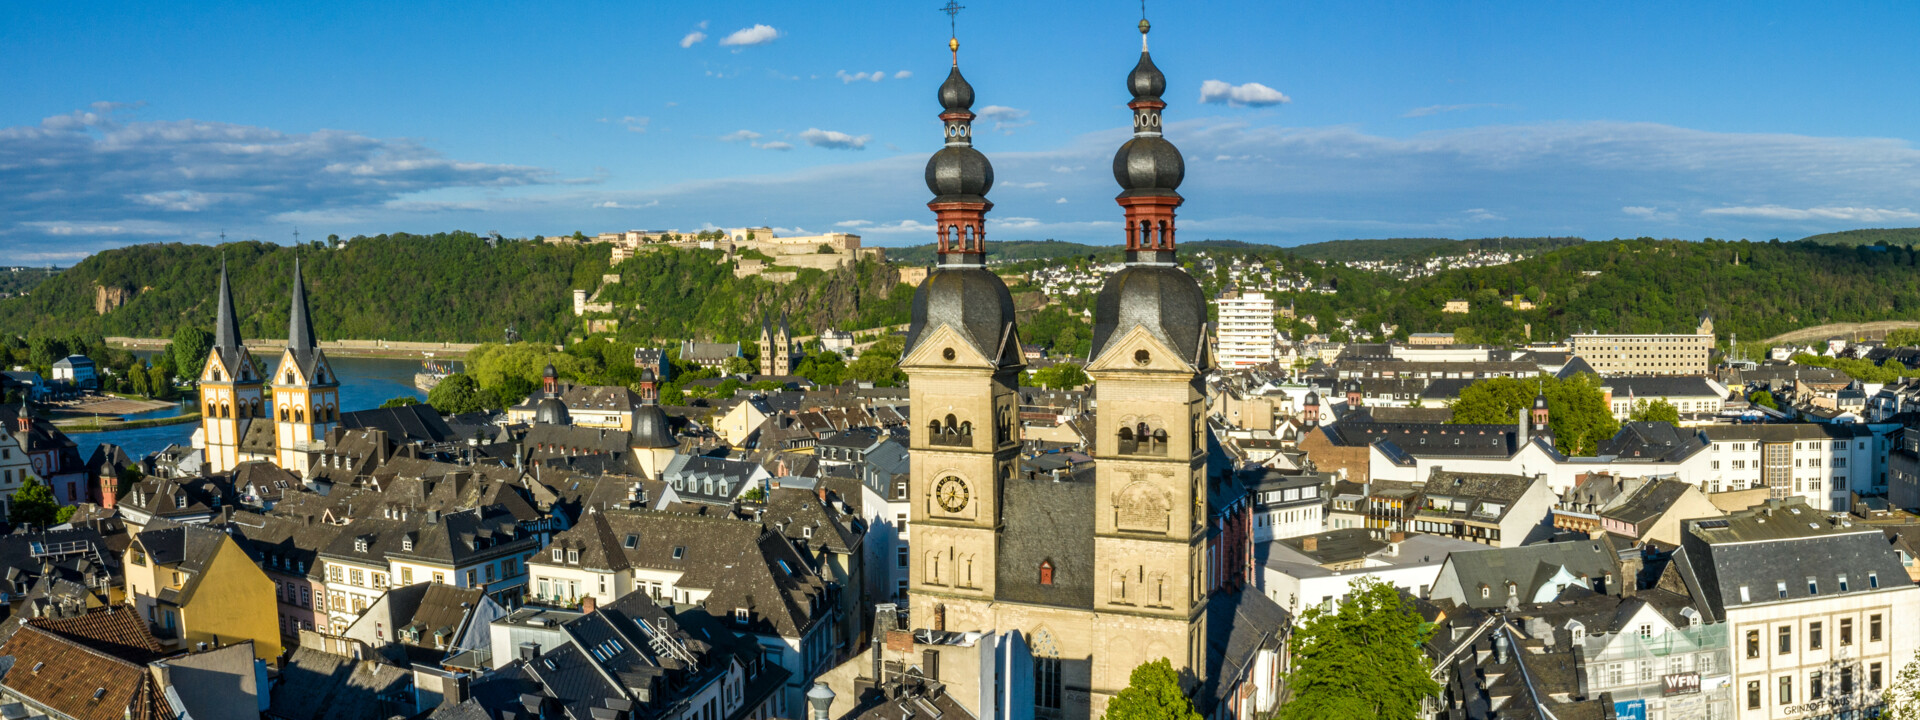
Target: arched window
<point>950,423</point>
<point>1046,572</point>
<point>966,428</point>
<point>283,414</point>
<point>1166,236</point>
<point>933,428</point>
<point>299,414</point>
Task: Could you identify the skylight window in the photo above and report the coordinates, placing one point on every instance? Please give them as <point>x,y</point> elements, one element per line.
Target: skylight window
<point>679,552</point>
<point>1783,588</point>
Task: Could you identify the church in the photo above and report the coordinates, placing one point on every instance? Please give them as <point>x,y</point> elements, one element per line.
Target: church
<point>1094,572</point>
<point>238,423</point>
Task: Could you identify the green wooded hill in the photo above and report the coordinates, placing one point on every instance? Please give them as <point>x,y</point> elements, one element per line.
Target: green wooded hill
<point>1756,290</point>
<point>998,250</point>
<point>443,287</point>
<point>1404,249</point>
<point>450,287</point>
<point>1900,237</point>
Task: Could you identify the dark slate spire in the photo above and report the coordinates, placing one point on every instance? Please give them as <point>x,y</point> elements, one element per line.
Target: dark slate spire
<point>226,328</point>
<point>299,324</point>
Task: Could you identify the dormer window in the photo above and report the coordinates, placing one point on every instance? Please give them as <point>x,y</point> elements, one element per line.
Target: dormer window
<point>360,544</point>
<point>406,544</point>
<point>740,616</point>
<point>573,557</point>
<point>179,501</point>
<point>556,554</point>
<point>1046,572</point>
<point>1843,583</point>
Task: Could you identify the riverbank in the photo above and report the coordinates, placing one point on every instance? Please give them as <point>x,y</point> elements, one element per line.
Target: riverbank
<point>270,348</point>
<point>86,426</point>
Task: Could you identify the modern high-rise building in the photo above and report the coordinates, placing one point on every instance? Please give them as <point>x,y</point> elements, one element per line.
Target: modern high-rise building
<point>1244,337</point>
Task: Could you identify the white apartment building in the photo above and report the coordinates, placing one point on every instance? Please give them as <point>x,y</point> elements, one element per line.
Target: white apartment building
<point>1245,331</point>
<point>1818,462</point>
<point>1819,610</point>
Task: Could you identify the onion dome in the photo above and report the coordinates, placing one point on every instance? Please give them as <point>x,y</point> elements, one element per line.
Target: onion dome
<point>651,429</point>
<point>551,411</point>
<point>1147,164</point>
<point>1162,299</point>
<point>958,172</point>
<point>972,300</point>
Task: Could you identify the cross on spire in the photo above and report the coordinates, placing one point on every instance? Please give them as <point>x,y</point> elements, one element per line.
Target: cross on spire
<point>952,9</point>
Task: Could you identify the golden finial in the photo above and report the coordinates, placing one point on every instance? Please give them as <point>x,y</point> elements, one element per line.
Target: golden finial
<point>953,44</point>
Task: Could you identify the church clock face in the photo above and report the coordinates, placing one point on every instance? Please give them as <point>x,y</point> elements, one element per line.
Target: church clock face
<point>951,492</point>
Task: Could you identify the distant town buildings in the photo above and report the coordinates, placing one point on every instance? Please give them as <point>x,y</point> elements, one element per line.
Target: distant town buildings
<point>1623,354</point>
<point>1245,331</point>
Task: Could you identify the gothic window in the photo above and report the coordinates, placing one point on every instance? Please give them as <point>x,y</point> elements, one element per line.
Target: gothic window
<point>1046,672</point>
<point>283,414</point>
<point>1046,572</point>
<point>299,414</point>
<point>226,410</point>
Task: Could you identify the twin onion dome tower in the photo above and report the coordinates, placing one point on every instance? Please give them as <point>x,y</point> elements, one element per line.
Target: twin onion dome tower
<point>1100,569</point>
<point>1151,292</point>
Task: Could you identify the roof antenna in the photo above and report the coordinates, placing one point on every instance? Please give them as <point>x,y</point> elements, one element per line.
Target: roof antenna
<point>952,9</point>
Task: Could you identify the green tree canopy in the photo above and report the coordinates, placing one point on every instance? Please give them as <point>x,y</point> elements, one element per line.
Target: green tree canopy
<point>1360,659</point>
<point>402,401</point>
<point>34,504</point>
<point>823,369</point>
<point>191,345</point>
<point>460,393</point>
<point>1060,376</point>
<point>1657,411</point>
<point>1152,693</point>
<point>1577,409</point>
<point>1764,399</point>
<point>879,363</point>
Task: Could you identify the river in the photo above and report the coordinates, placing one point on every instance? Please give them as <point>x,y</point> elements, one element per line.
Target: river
<point>365,383</point>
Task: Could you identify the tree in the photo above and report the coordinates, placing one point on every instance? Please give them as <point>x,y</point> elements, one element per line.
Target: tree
<point>460,393</point>
<point>1657,411</point>
<point>1360,659</point>
<point>1578,412</point>
<point>741,366</point>
<point>191,345</point>
<point>159,383</point>
<point>879,363</point>
<point>1060,376</point>
<point>34,504</point>
<point>1764,399</point>
<point>1903,337</point>
<point>402,401</point>
<point>1152,693</point>
<point>1903,696</point>
<point>823,369</point>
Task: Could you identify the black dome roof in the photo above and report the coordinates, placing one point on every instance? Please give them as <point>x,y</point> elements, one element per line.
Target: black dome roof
<point>551,411</point>
<point>959,173</point>
<point>1163,299</point>
<point>1147,164</point>
<point>652,429</point>
<point>971,299</point>
<point>955,93</point>
<point>1146,82</point>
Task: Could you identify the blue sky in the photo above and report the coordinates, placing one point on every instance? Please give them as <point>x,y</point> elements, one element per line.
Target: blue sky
<point>142,122</point>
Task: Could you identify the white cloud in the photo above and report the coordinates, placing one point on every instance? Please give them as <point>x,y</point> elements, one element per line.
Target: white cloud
<point>636,123</point>
<point>1028,185</point>
<point>740,135</point>
<point>1252,94</point>
<point>616,205</point>
<point>852,223</point>
<point>1848,214</point>
<point>848,78</point>
<point>1067,169</point>
<point>1004,118</point>
<point>903,74</point>
<point>1061,201</point>
<point>1437,109</point>
<point>834,139</point>
<point>776,145</point>
<point>1483,215</point>
<point>756,35</point>
<point>691,38</point>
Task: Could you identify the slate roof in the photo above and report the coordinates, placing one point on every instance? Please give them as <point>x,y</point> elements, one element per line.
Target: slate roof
<point>1657,386</point>
<point>315,685</point>
<point>1428,439</point>
<point>690,475</point>
<point>1653,500</point>
<point>419,423</point>
<point>1657,441</point>
<point>1239,625</point>
<point>281,543</point>
<point>1527,567</point>
<point>1055,524</point>
<point>1773,549</point>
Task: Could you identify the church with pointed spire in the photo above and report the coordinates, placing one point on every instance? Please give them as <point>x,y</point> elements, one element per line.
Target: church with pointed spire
<point>1099,567</point>
<point>237,422</point>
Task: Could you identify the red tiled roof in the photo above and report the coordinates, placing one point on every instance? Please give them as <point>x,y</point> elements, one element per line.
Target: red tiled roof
<point>65,675</point>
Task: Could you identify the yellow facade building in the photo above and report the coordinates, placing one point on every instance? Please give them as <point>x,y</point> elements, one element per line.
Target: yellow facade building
<point>194,584</point>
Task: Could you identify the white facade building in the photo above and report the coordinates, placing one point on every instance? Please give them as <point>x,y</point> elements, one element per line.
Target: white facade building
<point>1245,331</point>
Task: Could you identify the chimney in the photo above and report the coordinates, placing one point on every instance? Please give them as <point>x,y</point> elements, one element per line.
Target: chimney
<point>1310,543</point>
<point>588,604</point>
<point>1522,431</point>
<point>820,489</point>
<point>930,664</point>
